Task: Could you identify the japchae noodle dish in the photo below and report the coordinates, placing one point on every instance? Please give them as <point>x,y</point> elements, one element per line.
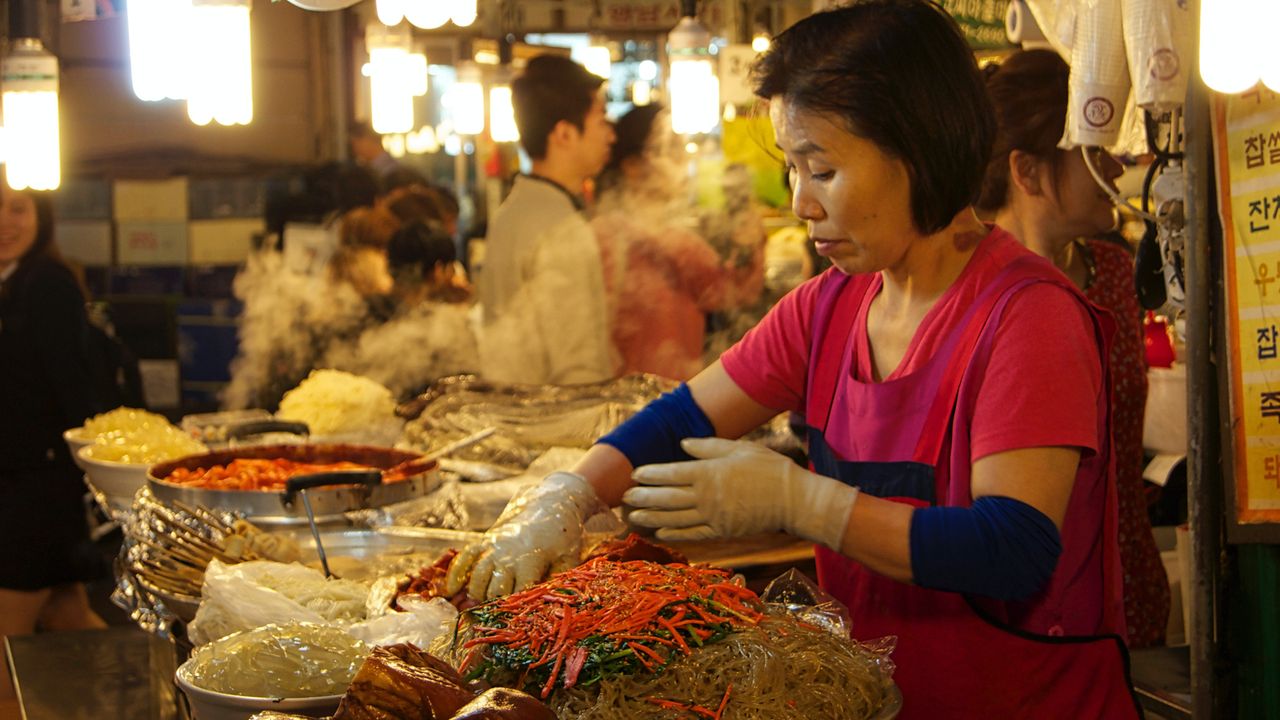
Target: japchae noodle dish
<point>637,639</point>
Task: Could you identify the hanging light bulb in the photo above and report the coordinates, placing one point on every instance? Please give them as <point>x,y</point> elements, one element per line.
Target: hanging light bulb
<point>427,14</point>
<point>30,103</point>
<point>396,77</point>
<point>502,115</point>
<point>390,12</point>
<point>595,58</point>
<point>463,12</point>
<point>694,88</point>
<point>760,43</point>
<point>1230,42</point>
<point>221,72</point>
<point>466,100</point>
<point>158,31</point>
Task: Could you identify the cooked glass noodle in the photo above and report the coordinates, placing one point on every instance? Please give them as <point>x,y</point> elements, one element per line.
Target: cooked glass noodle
<point>779,669</point>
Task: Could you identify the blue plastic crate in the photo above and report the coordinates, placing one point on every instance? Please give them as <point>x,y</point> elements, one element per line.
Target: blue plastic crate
<point>215,198</point>
<point>83,199</point>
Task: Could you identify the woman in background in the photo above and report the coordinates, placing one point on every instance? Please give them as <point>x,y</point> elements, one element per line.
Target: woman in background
<point>662,278</point>
<point>46,387</point>
<point>426,333</point>
<point>1048,199</point>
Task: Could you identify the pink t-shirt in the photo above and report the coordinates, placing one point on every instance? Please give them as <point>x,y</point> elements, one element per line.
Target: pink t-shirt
<point>1041,386</point>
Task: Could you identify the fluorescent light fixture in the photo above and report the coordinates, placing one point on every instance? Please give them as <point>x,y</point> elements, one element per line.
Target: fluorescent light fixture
<point>30,103</point>
<point>465,100</point>
<point>396,77</point>
<point>220,86</point>
<point>158,32</point>
<point>694,89</point>
<point>502,115</point>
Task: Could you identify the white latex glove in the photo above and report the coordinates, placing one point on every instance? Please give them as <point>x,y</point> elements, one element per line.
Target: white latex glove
<point>539,531</point>
<point>738,488</point>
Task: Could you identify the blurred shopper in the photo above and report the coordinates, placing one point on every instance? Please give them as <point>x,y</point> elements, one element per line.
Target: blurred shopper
<point>542,288</point>
<point>663,278</point>
<point>46,387</point>
<point>361,258</point>
<point>1048,199</point>
<point>428,334</point>
<point>367,151</point>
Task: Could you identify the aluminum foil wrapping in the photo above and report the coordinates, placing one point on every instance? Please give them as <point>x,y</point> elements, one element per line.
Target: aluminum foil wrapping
<point>1099,83</point>
<point>152,607</point>
<point>1157,40</point>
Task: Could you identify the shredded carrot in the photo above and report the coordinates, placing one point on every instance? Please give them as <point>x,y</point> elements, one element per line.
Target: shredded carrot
<point>607,617</point>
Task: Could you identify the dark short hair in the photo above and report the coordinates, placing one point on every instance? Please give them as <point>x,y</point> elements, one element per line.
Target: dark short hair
<point>552,88</point>
<point>1029,93</point>
<point>417,247</point>
<point>900,74</point>
<point>632,135</point>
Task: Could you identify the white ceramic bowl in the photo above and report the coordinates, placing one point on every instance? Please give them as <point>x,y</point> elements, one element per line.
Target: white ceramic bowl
<point>118,481</point>
<point>210,705</point>
<point>76,438</point>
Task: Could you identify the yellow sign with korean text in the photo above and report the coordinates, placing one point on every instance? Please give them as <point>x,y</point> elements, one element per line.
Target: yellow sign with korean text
<point>1247,149</point>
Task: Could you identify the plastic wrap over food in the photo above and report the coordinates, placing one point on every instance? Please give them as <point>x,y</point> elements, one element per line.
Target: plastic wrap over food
<point>532,419</point>
<point>290,660</point>
<point>529,419</point>
<point>808,603</point>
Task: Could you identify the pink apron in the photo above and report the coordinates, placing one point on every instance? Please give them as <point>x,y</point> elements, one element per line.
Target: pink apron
<point>957,656</point>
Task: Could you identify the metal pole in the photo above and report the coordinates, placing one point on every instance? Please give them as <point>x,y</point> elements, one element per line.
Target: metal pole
<point>1204,469</point>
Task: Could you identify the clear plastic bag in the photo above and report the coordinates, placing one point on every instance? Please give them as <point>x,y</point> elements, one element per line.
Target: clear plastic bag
<point>808,603</point>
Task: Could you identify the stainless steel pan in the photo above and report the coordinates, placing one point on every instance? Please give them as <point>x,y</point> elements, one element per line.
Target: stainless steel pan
<point>283,508</point>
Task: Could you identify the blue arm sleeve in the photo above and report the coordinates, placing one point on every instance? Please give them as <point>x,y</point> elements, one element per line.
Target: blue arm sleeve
<point>1000,547</point>
<point>653,435</point>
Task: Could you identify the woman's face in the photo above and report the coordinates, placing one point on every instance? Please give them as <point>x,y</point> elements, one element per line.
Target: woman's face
<point>855,198</point>
<point>17,226</point>
<point>1082,208</point>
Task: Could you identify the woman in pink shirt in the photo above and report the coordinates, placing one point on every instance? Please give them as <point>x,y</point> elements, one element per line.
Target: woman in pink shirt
<point>662,278</point>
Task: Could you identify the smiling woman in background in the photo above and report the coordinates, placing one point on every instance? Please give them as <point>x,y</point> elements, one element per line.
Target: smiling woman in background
<point>1047,198</point>
<point>46,387</point>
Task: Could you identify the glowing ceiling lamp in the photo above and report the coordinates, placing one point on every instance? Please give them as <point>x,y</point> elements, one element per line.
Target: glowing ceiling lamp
<point>1235,50</point>
<point>463,12</point>
<point>221,66</point>
<point>595,58</point>
<point>390,12</point>
<point>158,31</point>
<point>396,77</point>
<point>760,43</point>
<point>427,14</point>
<point>30,103</point>
<point>693,86</point>
<point>502,115</point>
<point>465,100</point>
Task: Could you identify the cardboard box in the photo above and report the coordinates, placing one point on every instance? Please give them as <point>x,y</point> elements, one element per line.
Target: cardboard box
<point>222,242</point>
<point>151,243</point>
<point>87,242</point>
<point>150,199</point>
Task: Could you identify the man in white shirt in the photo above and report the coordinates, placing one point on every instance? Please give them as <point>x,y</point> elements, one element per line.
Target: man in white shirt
<point>542,286</point>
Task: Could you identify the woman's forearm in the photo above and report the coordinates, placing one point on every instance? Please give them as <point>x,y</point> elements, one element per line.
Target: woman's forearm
<point>879,536</point>
<point>608,471</point>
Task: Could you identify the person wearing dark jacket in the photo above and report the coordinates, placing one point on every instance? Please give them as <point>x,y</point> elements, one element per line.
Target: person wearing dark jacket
<point>46,387</point>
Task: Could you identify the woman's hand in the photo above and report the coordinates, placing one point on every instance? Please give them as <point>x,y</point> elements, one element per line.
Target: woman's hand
<point>738,488</point>
<point>540,531</point>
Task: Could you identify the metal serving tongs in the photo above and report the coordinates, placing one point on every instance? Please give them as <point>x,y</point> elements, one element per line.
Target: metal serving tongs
<point>300,484</point>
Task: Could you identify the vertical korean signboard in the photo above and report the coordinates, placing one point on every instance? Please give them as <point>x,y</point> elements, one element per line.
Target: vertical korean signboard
<point>1247,145</point>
